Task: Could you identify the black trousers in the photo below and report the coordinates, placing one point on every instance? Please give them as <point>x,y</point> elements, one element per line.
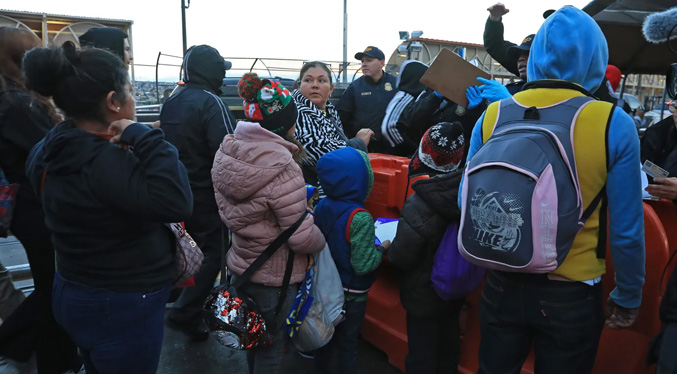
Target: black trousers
<point>563,321</point>
<point>32,328</point>
<point>434,343</point>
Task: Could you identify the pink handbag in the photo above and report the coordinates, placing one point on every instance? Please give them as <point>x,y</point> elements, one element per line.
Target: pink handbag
<point>188,256</point>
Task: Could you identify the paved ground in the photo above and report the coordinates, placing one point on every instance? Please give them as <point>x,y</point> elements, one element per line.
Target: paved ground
<point>182,356</point>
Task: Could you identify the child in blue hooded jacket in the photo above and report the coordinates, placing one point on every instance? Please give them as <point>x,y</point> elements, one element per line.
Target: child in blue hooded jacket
<point>346,178</point>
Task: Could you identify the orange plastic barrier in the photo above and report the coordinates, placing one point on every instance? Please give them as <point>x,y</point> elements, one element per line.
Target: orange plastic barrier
<point>385,321</point>
<point>667,212</point>
<point>624,351</point>
<point>620,351</point>
<point>390,185</point>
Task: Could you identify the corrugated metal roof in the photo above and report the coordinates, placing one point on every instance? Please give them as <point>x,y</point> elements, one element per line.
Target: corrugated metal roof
<point>16,13</point>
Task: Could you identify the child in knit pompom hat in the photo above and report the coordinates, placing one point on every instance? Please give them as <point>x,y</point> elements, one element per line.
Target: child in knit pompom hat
<point>260,192</point>
<point>267,102</point>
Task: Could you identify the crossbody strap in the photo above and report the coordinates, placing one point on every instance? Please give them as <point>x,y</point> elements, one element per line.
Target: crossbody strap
<point>274,246</point>
<point>602,197</point>
<point>285,283</point>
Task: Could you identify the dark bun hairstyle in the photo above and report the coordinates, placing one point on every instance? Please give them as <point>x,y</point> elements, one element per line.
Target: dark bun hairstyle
<point>77,80</point>
<point>315,64</point>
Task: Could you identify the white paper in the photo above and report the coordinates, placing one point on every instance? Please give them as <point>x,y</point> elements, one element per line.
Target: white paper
<point>386,231</point>
<point>645,183</point>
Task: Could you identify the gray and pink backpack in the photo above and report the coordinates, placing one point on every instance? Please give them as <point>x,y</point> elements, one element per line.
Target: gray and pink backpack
<point>521,204</point>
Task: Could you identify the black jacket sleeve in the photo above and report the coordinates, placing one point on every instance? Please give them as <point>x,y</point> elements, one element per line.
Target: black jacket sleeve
<point>218,123</point>
<point>151,182</point>
<point>653,145</point>
<point>346,108</point>
<point>497,47</point>
<point>417,225</point>
<point>417,117</point>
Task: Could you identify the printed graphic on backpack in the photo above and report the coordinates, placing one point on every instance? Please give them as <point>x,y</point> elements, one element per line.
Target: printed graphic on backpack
<point>521,204</point>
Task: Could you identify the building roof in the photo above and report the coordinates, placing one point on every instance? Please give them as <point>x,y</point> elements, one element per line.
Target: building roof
<point>441,41</point>
<point>15,13</point>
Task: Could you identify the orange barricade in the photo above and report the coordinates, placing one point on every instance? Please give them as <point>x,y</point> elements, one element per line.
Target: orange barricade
<point>667,212</point>
<point>620,351</point>
<point>624,351</point>
<point>385,321</point>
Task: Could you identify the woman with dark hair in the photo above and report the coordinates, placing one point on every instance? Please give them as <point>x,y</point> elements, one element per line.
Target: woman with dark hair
<point>25,118</point>
<point>108,185</point>
<point>111,39</point>
<point>319,127</point>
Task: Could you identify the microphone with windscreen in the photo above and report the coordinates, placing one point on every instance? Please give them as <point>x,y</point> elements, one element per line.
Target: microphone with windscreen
<point>659,27</point>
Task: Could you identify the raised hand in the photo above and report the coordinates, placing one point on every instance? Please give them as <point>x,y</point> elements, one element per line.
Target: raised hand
<point>497,10</point>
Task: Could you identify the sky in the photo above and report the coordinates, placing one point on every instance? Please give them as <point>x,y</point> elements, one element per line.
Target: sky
<point>294,29</point>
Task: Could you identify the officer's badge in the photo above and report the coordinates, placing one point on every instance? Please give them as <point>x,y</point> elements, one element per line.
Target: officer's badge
<point>388,87</point>
<point>460,110</point>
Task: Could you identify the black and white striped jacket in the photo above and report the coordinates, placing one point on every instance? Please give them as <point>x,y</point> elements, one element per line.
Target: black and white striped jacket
<point>319,133</point>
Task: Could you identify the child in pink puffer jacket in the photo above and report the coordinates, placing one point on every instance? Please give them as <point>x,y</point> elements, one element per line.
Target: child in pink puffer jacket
<point>260,192</point>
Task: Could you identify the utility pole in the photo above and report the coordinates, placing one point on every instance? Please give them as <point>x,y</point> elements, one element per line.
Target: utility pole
<point>345,41</point>
<point>183,23</point>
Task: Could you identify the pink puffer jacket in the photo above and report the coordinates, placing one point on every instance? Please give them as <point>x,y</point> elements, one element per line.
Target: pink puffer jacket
<point>260,192</point>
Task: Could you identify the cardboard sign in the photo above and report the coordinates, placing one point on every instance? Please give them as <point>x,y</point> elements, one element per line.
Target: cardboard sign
<point>451,75</point>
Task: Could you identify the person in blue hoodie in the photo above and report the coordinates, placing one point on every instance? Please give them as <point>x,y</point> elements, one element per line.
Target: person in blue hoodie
<point>562,312</point>
<point>346,177</point>
<point>108,186</point>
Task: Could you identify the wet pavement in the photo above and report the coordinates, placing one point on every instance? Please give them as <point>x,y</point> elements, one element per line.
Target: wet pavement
<point>180,355</point>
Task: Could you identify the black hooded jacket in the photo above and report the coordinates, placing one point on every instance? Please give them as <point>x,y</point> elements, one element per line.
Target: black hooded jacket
<point>105,206</point>
<point>423,221</point>
<point>409,87</point>
<point>409,79</point>
<point>195,120</point>
<point>429,110</point>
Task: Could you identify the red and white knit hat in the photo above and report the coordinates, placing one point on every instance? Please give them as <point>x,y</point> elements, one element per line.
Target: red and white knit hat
<point>440,151</point>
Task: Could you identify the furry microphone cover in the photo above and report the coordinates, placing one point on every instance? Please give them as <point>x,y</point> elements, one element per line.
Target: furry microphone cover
<point>657,26</point>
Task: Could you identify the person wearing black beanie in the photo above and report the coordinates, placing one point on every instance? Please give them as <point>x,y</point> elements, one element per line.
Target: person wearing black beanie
<point>111,39</point>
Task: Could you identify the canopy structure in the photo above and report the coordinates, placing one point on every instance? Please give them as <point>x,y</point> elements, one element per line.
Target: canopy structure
<point>621,21</point>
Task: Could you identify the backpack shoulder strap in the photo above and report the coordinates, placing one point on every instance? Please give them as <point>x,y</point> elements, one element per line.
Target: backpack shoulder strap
<point>350,221</point>
<point>602,109</point>
<point>490,118</point>
<point>272,248</point>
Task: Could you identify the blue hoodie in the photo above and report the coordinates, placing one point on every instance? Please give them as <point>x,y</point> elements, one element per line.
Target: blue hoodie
<point>570,46</point>
<point>346,177</point>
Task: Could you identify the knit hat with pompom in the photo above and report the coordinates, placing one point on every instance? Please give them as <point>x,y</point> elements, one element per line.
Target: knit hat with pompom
<point>268,103</point>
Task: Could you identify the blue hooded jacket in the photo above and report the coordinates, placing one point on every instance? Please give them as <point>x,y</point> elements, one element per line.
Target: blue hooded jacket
<point>571,47</point>
<point>346,177</point>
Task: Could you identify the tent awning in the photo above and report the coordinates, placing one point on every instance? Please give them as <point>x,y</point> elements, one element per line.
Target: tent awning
<point>621,22</point>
